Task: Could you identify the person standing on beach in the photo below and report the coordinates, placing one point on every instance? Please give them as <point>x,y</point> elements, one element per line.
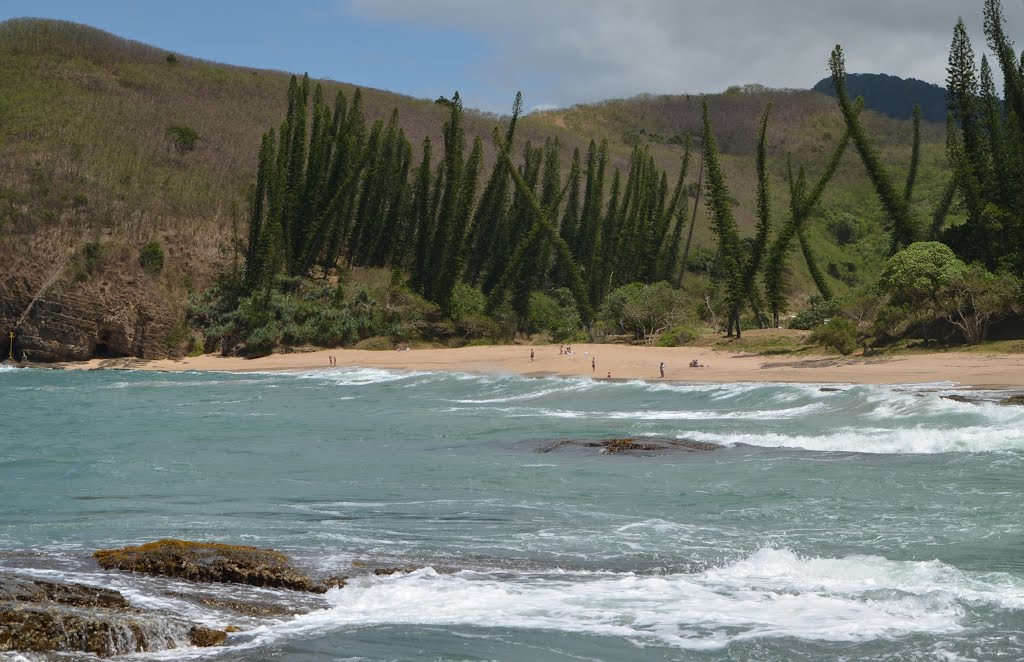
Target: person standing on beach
<point>593,363</point>
<point>661,368</point>
<point>531,356</point>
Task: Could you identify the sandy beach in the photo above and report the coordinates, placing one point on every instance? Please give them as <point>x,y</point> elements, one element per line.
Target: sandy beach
<point>629,362</point>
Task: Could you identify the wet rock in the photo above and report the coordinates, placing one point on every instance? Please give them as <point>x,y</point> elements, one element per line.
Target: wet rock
<point>336,581</point>
<point>830,389</point>
<point>209,562</point>
<point>206,637</point>
<point>955,397</point>
<point>1013,400</point>
<point>76,595</point>
<point>258,609</point>
<point>382,572</point>
<point>38,616</point>
<point>646,446</point>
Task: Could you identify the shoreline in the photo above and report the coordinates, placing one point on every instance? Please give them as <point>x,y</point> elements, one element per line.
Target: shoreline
<point>625,362</point>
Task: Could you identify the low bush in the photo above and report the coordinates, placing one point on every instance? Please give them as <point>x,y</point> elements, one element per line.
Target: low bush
<point>838,333</point>
<point>151,258</point>
<point>815,315</point>
<point>678,336</point>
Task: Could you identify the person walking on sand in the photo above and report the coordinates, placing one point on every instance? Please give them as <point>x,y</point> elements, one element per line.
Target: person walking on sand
<point>593,363</point>
<point>661,368</point>
<point>531,356</point>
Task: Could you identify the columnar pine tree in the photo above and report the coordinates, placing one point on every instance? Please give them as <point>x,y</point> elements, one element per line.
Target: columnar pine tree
<point>905,230</point>
<point>589,236</point>
<point>724,226</point>
<point>422,220</point>
<point>491,212</point>
<point>674,217</point>
<point>764,217</point>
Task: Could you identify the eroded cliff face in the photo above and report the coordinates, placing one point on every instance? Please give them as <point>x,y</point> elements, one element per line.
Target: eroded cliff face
<point>73,320</point>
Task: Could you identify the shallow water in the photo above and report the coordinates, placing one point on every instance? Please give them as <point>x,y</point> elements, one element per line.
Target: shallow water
<point>866,523</point>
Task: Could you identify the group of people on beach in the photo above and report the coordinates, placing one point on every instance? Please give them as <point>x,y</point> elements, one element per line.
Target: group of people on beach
<point>566,350</point>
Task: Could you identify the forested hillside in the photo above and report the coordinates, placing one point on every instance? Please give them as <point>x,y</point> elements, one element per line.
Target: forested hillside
<point>127,176</point>
<point>892,95</point>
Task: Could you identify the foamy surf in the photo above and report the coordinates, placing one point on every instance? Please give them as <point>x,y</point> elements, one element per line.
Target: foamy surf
<point>772,593</point>
<point>915,440</point>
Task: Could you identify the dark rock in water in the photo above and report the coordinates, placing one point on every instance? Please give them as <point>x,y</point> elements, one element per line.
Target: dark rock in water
<point>75,595</point>
<point>206,637</point>
<point>336,581</point>
<point>1013,400</point>
<point>39,617</point>
<point>634,446</point>
<point>381,572</point>
<point>959,398</point>
<point>209,562</point>
<point>830,389</point>
<point>255,608</point>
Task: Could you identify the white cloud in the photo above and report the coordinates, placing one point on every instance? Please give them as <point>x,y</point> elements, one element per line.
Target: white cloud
<point>570,51</point>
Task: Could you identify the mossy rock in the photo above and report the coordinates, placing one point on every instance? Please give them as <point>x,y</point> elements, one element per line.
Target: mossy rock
<point>209,562</point>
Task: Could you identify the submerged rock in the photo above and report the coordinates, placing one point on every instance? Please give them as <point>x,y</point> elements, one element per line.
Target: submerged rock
<point>634,445</point>
<point>38,616</point>
<point>956,397</point>
<point>1013,400</point>
<point>209,562</point>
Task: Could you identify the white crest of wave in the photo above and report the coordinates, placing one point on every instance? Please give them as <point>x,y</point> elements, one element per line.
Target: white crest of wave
<point>888,404</point>
<point>360,376</point>
<point>790,412</point>
<point>560,387</point>
<point>919,439</point>
<point>772,593</point>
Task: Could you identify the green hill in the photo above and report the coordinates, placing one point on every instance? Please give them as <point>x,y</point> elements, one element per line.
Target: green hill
<point>90,173</point>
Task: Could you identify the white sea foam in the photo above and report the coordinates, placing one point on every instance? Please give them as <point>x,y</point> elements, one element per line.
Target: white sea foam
<point>919,439</point>
<point>359,376</point>
<point>654,415</point>
<point>770,594</point>
<point>567,387</point>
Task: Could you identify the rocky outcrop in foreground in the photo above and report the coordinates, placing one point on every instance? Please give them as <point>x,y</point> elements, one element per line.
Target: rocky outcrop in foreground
<point>39,616</point>
<point>209,562</point>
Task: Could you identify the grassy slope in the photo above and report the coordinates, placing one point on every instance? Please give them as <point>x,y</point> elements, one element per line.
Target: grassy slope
<point>84,154</point>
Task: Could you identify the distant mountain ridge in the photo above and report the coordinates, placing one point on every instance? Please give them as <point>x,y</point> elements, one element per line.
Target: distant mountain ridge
<point>892,95</point>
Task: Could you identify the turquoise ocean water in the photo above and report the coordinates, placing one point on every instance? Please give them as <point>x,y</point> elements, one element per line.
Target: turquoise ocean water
<point>871,523</point>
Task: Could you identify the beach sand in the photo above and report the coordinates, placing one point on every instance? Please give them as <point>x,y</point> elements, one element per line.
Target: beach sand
<point>630,362</point>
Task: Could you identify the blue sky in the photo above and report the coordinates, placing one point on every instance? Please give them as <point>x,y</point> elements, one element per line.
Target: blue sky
<point>558,52</point>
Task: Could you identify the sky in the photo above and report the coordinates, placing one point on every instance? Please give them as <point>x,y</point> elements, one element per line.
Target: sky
<point>557,52</point>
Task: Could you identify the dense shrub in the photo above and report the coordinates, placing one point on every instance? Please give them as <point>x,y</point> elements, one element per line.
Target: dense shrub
<point>645,310</point>
<point>553,313</point>
<point>839,334</point>
<point>466,301</point>
<point>89,259</point>
<point>302,311</point>
<point>151,258</point>
<point>678,336</point>
<point>815,315</point>
<point>183,138</point>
